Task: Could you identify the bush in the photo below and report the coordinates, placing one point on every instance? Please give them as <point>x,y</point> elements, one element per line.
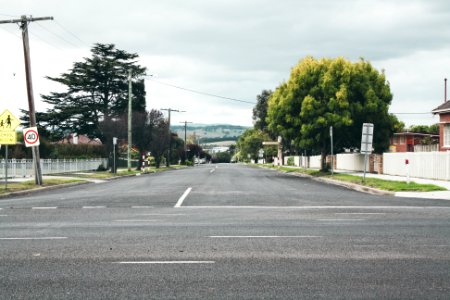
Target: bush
<point>290,161</point>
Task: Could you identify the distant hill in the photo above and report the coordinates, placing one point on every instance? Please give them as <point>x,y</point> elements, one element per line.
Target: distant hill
<point>211,133</point>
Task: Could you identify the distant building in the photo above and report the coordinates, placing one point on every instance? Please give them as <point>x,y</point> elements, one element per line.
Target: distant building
<point>443,111</point>
<point>406,141</point>
<point>75,139</point>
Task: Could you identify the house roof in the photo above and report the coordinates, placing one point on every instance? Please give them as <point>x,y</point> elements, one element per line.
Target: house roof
<point>443,108</point>
<point>416,134</point>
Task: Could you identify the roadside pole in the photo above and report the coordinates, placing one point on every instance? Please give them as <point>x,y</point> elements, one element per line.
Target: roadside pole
<point>366,144</point>
<point>332,159</point>
<point>6,167</point>
<point>114,155</point>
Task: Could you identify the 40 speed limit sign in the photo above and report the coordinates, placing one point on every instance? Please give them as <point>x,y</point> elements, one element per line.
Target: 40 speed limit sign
<point>31,137</point>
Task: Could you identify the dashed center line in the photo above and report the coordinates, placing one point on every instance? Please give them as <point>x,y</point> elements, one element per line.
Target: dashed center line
<point>165,262</point>
<point>45,207</point>
<point>212,171</point>
<point>91,207</point>
<point>36,238</point>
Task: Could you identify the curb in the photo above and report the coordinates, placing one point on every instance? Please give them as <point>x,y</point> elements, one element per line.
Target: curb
<point>42,189</point>
<point>348,185</point>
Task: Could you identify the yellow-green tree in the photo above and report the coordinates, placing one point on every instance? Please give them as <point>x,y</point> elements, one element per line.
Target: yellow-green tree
<point>331,92</point>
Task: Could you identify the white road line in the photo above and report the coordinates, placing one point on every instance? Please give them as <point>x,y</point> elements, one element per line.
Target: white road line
<point>180,201</point>
<point>318,207</point>
<point>134,220</point>
<point>165,262</point>
<point>163,215</point>
<point>36,238</point>
<point>3,215</point>
<point>90,207</point>
<point>45,207</point>
<point>265,236</point>
<point>141,206</point>
<point>339,220</point>
<point>360,213</point>
<point>212,170</point>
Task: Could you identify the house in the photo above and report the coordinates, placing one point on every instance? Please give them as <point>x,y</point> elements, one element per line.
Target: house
<point>444,125</point>
<point>75,139</point>
<point>405,141</point>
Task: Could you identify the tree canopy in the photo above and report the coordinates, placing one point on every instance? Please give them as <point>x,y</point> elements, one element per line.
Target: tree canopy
<point>96,92</point>
<point>331,92</point>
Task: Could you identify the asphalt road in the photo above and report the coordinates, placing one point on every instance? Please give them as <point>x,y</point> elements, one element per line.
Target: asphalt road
<point>222,232</point>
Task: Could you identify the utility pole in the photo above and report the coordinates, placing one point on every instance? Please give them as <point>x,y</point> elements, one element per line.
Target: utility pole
<point>169,151</point>
<point>185,140</point>
<point>23,21</point>
<point>129,120</point>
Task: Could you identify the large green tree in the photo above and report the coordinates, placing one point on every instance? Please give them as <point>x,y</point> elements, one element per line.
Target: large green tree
<point>260,110</point>
<point>250,142</point>
<point>332,92</point>
<point>96,91</point>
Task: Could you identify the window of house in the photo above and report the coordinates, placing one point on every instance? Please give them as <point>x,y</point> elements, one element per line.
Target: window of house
<point>395,138</point>
<point>447,135</point>
<point>402,139</point>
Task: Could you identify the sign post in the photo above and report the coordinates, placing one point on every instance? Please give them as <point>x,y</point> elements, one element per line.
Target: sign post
<point>114,155</point>
<point>8,136</point>
<point>366,144</point>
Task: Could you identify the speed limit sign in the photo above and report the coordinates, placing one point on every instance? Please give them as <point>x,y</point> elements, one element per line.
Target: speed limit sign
<point>31,137</point>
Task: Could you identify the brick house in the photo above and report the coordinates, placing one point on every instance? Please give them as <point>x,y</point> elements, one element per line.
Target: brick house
<point>444,125</point>
<point>405,141</point>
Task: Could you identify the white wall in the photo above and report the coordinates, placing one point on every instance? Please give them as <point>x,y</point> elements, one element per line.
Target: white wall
<point>351,162</point>
<point>315,162</point>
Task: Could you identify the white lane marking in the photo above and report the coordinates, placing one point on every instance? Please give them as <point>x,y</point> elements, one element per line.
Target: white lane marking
<point>339,220</point>
<point>134,220</point>
<point>142,206</point>
<point>161,215</point>
<point>212,170</point>
<point>3,215</point>
<point>45,207</point>
<point>90,207</point>
<point>265,236</point>
<point>318,207</point>
<point>180,201</point>
<point>166,262</point>
<point>36,238</point>
<point>360,213</point>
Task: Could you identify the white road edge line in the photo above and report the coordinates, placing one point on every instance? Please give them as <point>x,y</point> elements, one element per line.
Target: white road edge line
<point>180,201</point>
<point>212,170</point>
<point>142,206</point>
<point>45,207</point>
<point>165,262</point>
<point>36,238</point>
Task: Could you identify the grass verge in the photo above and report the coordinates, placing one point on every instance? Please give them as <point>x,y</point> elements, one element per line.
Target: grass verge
<point>30,184</point>
<point>381,184</point>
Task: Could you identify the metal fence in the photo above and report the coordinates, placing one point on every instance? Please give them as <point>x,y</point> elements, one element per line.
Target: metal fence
<point>24,167</point>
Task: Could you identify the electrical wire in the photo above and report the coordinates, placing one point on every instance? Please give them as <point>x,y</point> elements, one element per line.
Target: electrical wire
<point>199,92</point>
<point>56,35</point>
<point>70,32</point>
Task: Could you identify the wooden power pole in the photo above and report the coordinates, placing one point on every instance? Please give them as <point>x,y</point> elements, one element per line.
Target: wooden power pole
<point>24,21</point>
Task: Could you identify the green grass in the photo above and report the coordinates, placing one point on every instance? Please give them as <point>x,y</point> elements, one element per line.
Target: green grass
<point>387,185</point>
<point>30,184</point>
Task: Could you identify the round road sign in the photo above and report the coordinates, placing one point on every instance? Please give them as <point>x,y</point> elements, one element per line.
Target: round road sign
<point>31,137</point>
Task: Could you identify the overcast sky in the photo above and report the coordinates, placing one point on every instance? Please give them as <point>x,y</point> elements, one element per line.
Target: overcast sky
<point>232,48</point>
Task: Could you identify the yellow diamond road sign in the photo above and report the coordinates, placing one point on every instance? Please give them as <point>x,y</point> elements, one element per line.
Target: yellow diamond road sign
<point>8,122</point>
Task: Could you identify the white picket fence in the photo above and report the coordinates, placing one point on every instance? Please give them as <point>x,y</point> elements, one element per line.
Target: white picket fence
<point>431,165</point>
<point>351,162</point>
<point>24,167</point>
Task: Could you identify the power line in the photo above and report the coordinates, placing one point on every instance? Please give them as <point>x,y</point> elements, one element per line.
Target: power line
<point>201,93</point>
<point>71,33</point>
<point>56,35</point>
<point>424,113</point>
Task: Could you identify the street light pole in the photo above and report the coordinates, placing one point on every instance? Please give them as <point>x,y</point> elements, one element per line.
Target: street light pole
<point>129,120</point>
<point>169,151</point>
<point>185,140</point>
